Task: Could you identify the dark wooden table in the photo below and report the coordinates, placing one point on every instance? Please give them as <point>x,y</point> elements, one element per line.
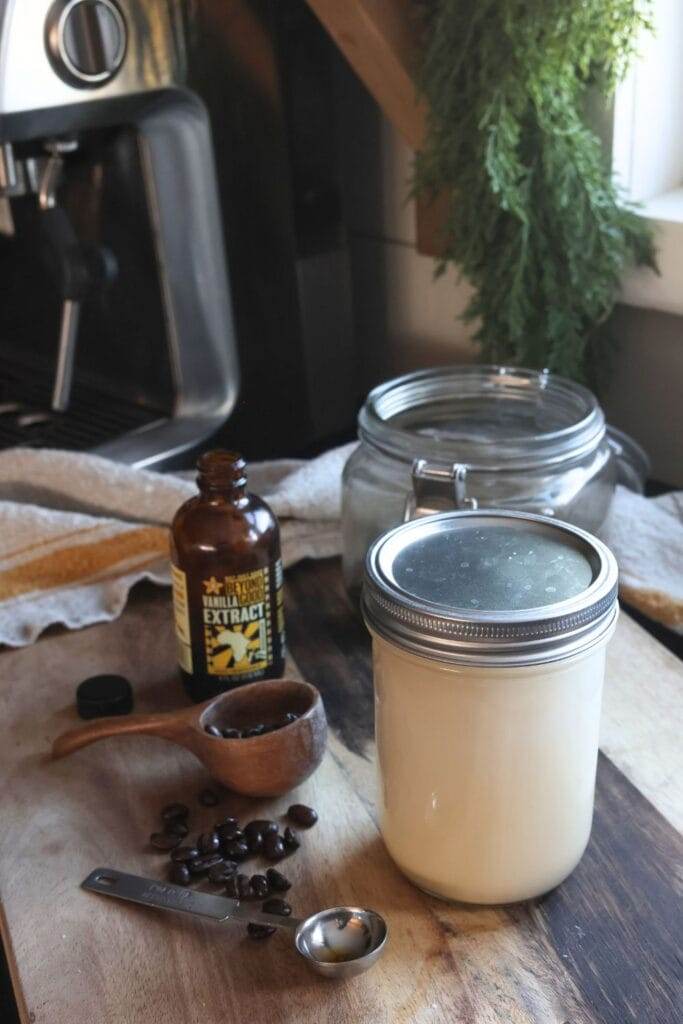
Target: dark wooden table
<point>603,948</point>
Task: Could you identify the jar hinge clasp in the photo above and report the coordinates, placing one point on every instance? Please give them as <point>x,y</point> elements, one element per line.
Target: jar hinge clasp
<point>437,488</point>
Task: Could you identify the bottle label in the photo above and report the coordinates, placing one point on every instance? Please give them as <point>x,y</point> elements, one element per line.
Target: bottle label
<point>238,623</point>
<point>182,618</point>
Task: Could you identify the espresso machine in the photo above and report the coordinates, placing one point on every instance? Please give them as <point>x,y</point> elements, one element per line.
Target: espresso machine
<point>91,93</point>
<point>169,209</point>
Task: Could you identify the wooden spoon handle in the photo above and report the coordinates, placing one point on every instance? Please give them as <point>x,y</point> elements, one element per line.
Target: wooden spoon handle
<point>169,726</point>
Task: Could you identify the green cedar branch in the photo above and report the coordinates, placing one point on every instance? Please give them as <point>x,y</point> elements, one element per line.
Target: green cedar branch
<point>535,222</point>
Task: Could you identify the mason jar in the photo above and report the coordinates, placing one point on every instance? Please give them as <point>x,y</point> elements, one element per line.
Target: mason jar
<point>480,436</point>
<point>489,633</point>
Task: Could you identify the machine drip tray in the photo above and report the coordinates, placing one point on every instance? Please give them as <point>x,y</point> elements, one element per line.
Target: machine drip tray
<point>94,416</point>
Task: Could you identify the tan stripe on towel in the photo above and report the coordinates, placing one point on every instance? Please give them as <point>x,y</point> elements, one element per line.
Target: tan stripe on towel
<point>655,604</point>
<point>44,542</point>
<point>74,564</point>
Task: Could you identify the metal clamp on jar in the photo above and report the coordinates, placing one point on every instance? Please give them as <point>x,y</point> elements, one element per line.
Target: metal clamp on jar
<point>480,437</point>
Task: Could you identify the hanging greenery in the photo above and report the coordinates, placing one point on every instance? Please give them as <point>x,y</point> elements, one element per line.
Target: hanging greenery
<point>535,222</point>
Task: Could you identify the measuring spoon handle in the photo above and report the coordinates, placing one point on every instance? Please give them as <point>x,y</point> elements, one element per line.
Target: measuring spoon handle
<point>165,896</point>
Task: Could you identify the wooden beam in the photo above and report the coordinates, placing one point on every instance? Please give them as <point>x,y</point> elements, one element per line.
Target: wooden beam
<point>379,40</point>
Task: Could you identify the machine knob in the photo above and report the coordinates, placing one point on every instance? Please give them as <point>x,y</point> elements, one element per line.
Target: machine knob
<point>86,41</point>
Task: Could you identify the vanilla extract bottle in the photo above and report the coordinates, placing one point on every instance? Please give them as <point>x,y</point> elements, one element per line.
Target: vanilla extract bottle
<point>227,582</point>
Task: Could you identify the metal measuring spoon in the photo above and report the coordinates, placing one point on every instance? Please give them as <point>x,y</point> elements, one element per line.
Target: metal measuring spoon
<point>337,943</point>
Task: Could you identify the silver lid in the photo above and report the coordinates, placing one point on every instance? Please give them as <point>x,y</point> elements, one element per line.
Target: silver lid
<point>490,587</point>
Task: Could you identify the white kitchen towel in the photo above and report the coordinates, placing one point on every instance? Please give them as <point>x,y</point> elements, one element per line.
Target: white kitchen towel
<point>77,531</point>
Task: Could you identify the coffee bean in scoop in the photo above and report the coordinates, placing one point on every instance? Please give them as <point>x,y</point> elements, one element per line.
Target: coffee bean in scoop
<point>260,931</point>
<point>182,854</point>
<point>164,841</point>
<point>209,842</point>
<point>180,874</point>
<point>291,840</point>
<point>302,815</point>
<point>256,730</point>
<point>273,846</point>
<point>259,885</point>
<point>277,906</point>
<point>231,734</point>
<point>208,797</point>
<point>200,865</point>
<point>213,730</point>
<point>171,812</point>
<point>220,873</point>
<point>277,881</point>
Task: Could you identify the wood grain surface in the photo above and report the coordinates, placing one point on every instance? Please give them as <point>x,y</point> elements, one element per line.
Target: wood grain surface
<point>601,948</point>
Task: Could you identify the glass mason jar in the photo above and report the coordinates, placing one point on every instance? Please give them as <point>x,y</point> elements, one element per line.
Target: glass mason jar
<point>489,633</point>
<point>480,436</point>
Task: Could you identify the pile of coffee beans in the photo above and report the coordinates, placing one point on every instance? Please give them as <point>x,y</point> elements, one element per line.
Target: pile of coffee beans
<point>219,854</point>
<point>255,730</point>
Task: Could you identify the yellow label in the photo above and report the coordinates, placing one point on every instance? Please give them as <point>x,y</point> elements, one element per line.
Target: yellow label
<point>182,618</point>
<point>237,623</point>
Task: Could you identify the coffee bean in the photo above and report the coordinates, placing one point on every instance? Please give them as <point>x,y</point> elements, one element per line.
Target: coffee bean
<point>220,873</point>
<point>232,734</point>
<point>259,885</point>
<point>291,840</point>
<point>209,842</point>
<point>181,854</point>
<point>259,931</point>
<point>262,825</point>
<point>236,849</point>
<point>277,906</point>
<point>302,815</point>
<point>227,829</point>
<point>164,841</point>
<point>180,874</point>
<point>273,846</point>
<point>208,797</point>
<point>256,730</point>
<point>277,881</point>
<point>171,812</point>
<point>291,716</point>
<point>255,842</point>
<point>200,865</point>
<point>178,827</point>
<point>213,731</point>
<point>239,887</point>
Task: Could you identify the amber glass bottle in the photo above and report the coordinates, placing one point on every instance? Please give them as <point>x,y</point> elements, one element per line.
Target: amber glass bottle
<point>227,582</point>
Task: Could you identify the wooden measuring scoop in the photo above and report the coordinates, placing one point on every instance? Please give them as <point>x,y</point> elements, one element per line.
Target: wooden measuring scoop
<point>266,765</point>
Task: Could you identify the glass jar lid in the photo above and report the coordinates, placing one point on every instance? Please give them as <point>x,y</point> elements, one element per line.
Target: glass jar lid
<point>492,418</point>
<point>487,587</point>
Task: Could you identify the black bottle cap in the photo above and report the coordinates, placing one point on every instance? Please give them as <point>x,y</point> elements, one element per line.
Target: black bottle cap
<point>104,695</point>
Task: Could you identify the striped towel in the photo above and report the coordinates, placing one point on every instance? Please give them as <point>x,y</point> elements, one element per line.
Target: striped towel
<point>78,531</point>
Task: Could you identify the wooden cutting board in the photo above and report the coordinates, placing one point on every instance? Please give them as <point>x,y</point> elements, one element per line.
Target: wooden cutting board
<point>601,949</point>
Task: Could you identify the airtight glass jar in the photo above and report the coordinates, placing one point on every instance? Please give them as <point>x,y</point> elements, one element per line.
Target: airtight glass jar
<point>479,436</point>
<point>489,634</point>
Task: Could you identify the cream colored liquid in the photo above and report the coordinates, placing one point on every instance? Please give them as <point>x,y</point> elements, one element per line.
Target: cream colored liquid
<point>487,776</point>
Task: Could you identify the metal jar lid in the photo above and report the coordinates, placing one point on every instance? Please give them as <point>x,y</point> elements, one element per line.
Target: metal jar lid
<point>490,587</point>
